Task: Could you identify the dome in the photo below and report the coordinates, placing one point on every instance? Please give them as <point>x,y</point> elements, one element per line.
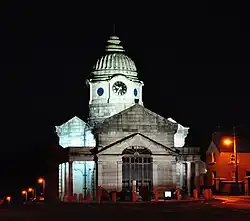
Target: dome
<point>114,62</point>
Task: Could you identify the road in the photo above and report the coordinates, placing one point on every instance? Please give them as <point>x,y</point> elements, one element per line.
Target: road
<point>170,211</point>
<point>234,202</point>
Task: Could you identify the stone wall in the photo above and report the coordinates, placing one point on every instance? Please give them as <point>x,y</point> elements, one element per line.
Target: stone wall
<point>137,119</point>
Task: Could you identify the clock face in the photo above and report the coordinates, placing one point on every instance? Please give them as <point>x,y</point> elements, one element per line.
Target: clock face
<point>119,88</point>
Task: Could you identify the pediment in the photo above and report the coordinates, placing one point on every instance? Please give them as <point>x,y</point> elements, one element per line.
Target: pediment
<point>212,148</point>
<point>74,124</point>
<point>137,140</point>
<point>137,119</point>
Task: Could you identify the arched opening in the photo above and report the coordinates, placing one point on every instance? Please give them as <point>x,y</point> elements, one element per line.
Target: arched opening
<point>137,165</point>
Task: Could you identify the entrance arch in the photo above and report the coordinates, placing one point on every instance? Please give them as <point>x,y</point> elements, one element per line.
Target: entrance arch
<point>137,165</point>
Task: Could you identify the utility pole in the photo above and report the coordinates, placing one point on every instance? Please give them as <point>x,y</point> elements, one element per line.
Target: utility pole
<point>236,161</point>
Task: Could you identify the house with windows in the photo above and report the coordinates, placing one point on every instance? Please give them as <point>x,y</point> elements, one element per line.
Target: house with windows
<point>221,163</point>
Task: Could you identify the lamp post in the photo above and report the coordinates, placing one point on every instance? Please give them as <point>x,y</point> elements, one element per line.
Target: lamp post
<point>229,142</point>
<point>24,192</point>
<point>31,190</point>
<point>8,198</point>
<point>42,181</point>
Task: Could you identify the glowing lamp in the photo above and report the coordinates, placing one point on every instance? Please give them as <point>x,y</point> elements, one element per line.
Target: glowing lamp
<point>40,180</point>
<point>24,192</point>
<point>8,198</point>
<point>227,142</point>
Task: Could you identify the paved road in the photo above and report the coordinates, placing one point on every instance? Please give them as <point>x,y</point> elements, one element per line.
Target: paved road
<point>183,211</point>
<point>234,202</point>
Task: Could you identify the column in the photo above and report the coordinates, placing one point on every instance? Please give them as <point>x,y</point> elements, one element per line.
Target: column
<point>155,174</point>
<point>99,164</point>
<point>70,187</point>
<point>181,175</point>
<point>174,173</point>
<point>189,178</point>
<point>119,176</point>
<point>197,175</point>
<point>66,178</point>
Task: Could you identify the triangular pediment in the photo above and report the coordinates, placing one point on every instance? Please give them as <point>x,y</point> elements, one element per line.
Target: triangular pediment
<point>138,140</point>
<point>212,148</point>
<point>74,123</point>
<point>138,119</point>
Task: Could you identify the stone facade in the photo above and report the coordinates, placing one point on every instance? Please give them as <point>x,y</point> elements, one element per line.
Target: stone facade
<point>123,142</point>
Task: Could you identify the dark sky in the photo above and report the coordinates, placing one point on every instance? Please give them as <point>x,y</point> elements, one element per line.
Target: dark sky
<point>193,59</point>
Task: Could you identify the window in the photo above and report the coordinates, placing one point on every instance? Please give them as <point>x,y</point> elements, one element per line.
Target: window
<point>248,173</point>
<point>213,177</point>
<point>213,158</point>
<point>233,174</point>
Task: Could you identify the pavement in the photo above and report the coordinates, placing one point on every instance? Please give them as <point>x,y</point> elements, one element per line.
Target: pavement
<point>198,210</point>
<point>234,202</point>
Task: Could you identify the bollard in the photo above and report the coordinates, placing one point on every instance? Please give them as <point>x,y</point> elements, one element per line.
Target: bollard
<point>206,194</point>
<point>99,194</point>
<point>133,196</point>
<point>210,194</point>
<point>88,197</point>
<point>156,194</point>
<point>80,198</point>
<point>178,194</point>
<point>74,198</point>
<point>113,196</point>
<point>65,198</point>
<point>195,194</point>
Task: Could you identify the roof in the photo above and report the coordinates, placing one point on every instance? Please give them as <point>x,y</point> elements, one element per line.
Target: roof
<point>141,111</point>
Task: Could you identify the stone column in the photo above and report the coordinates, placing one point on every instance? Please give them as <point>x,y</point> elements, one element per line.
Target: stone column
<point>70,187</point>
<point>181,175</point>
<point>119,175</point>
<point>197,175</point>
<point>66,178</point>
<point>189,178</point>
<point>99,164</point>
<point>155,174</point>
<point>174,173</point>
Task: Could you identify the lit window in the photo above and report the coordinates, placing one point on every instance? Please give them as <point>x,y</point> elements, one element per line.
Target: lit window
<point>213,159</point>
<point>233,174</point>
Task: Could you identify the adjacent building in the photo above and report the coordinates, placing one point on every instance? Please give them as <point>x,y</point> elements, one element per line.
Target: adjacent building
<point>221,163</point>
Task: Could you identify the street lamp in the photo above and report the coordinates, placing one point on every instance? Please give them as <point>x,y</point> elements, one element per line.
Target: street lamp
<point>228,142</point>
<point>42,181</point>
<point>24,192</point>
<point>8,198</point>
<point>31,190</point>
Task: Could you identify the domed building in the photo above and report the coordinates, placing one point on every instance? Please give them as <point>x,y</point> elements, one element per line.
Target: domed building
<point>124,145</point>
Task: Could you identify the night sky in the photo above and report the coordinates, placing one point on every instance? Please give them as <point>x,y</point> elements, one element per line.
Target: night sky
<point>193,59</point>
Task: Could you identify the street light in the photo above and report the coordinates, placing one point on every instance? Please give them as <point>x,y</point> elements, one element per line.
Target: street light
<point>8,198</point>
<point>31,190</point>
<point>42,181</point>
<point>24,192</point>
<point>229,142</point>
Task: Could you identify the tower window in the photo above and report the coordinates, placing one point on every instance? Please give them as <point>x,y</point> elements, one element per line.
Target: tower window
<point>135,92</point>
<point>100,91</point>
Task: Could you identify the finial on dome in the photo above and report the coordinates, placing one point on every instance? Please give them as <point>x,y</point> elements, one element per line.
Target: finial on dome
<point>114,30</point>
<point>114,44</point>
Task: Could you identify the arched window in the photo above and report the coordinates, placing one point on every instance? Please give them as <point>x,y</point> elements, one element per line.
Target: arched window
<point>137,165</point>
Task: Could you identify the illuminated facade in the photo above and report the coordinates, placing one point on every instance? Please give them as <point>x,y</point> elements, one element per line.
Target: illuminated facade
<point>123,143</point>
